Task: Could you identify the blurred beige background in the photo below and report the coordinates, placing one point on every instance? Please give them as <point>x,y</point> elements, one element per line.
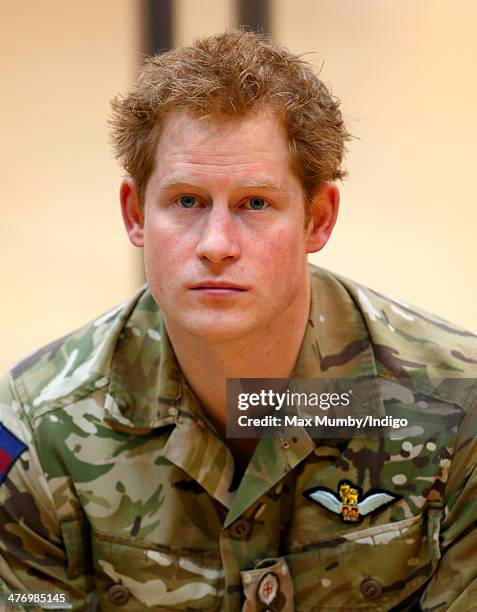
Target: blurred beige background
<point>405,72</point>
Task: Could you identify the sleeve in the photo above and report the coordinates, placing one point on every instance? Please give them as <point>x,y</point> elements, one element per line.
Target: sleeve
<point>33,550</point>
<point>453,588</point>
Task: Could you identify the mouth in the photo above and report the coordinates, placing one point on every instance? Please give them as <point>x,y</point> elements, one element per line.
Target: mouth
<point>218,288</point>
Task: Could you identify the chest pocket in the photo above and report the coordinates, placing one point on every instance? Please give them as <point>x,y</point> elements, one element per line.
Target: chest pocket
<point>131,577</point>
<point>370,569</point>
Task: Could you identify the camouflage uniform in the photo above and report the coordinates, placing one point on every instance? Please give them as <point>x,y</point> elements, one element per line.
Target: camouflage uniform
<point>126,490</point>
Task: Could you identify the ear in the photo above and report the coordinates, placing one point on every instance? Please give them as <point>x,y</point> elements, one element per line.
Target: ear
<point>325,204</point>
<point>131,213</point>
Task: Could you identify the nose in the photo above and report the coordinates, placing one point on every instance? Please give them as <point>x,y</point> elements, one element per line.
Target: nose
<point>219,236</point>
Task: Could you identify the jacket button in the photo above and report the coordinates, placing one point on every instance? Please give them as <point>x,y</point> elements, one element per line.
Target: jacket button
<point>118,594</point>
<point>240,530</point>
<point>371,588</point>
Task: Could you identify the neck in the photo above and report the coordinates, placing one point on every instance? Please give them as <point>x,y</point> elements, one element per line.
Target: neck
<point>264,353</point>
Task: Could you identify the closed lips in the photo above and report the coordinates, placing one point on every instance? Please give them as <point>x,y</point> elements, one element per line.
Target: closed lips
<point>214,285</point>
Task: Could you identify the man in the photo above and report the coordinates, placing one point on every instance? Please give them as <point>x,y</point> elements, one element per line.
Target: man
<point>120,486</point>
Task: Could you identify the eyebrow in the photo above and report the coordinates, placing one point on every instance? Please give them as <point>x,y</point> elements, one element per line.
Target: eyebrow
<point>258,182</point>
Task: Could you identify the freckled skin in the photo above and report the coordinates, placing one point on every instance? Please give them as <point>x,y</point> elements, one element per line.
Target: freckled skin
<point>221,237</point>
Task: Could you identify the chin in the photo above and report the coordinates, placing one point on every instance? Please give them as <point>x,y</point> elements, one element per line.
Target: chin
<point>217,329</point>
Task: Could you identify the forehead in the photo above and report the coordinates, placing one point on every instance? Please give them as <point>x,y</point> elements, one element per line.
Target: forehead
<point>254,144</point>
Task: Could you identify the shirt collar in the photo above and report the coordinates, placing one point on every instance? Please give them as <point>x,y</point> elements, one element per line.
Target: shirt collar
<point>336,342</point>
<point>145,386</point>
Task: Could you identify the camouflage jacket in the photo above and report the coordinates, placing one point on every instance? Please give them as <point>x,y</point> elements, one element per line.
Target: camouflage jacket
<point>119,491</point>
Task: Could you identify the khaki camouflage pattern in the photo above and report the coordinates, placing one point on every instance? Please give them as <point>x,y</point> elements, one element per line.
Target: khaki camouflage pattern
<point>127,496</point>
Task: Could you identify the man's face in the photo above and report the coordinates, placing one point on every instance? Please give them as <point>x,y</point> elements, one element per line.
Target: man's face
<point>224,237</point>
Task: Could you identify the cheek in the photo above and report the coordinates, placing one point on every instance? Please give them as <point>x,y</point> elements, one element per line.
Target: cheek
<point>285,251</point>
<point>163,255</point>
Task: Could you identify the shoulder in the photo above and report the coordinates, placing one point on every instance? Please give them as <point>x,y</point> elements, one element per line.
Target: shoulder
<point>70,368</point>
<point>409,342</point>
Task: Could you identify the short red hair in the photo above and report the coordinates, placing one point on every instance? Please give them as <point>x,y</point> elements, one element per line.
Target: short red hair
<point>232,74</point>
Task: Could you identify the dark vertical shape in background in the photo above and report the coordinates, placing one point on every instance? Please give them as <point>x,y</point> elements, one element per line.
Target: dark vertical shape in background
<point>157,37</point>
<point>254,14</point>
<point>158,30</point>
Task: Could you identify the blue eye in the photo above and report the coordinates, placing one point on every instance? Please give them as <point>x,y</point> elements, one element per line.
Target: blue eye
<point>187,201</point>
<point>257,204</point>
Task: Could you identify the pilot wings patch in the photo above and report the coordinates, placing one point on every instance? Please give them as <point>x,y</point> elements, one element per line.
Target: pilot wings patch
<point>347,501</point>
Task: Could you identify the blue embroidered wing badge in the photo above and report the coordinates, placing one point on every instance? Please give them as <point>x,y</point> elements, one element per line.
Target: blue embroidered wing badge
<point>346,502</point>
